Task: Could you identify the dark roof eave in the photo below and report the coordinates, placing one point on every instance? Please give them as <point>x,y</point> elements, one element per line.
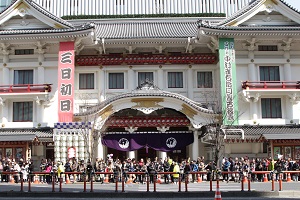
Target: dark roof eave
<point>248,32</point>
<point>66,33</point>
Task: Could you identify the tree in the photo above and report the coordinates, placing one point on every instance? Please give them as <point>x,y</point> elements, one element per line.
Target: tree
<point>90,130</point>
<point>214,131</point>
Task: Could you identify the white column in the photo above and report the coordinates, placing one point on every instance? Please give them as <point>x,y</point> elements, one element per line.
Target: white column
<point>190,85</point>
<point>287,67</point>
<point>160,78</point>
<point>101,84</point>
<point>253,108</point>
<point>5,76</point>
<point>162,154</point>
<point>100,152</point>
<point>251,67</point>
<point>41,75</point>
<point>131,79</point>
<point>131,154</point>
<point>195,146</point>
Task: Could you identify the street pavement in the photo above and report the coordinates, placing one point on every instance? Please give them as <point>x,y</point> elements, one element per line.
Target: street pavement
<point>193,190</point>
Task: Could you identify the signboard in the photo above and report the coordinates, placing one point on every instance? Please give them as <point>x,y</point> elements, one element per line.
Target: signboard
<point>66,69</point>
<point>71,152</point>
<point>228,81</point>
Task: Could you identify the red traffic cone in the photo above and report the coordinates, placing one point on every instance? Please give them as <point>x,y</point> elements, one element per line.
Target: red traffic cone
<point>288,179</point>
<point>199,178</point>
<point>218,193</point>
<point>265,178</point>
<point>158,179</point>
<point>67,179</point>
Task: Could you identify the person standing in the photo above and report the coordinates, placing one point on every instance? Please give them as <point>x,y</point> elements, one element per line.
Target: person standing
<point>176,170</point>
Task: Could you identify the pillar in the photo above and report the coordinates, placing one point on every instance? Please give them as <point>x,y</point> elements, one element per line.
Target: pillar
<point>5,76</point>
<point>131,154</point>
<point>190,86</point>
<point>253,109</point>
<point>287,67</point>
<point>100,152</point>
<point>160,78</point>
<point>195,146</point>
<point>251,67</point>
<point>101,85</point>
<point>162,154</point>
<point>41,75</point>
<point>131,79</point>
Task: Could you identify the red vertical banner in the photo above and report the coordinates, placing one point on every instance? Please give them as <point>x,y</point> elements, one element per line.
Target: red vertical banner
<point>66,68</point>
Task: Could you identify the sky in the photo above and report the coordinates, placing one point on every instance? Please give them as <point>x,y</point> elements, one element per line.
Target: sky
<point>294,3</point>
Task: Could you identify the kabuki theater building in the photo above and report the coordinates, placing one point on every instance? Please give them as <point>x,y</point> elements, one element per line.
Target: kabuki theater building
<point>85,79</point>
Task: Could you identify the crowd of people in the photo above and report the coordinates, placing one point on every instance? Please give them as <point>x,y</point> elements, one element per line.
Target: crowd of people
<point>241,166</point>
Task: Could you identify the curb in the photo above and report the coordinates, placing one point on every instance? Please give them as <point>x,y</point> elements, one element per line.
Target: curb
<point>139,194</point>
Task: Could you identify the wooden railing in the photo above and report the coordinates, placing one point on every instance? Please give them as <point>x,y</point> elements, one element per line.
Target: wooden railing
<point>136,59</point>
<point>25,88</point>
<point>270,85</point>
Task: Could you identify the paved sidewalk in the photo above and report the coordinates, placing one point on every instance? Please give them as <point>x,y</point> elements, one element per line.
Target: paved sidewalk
<point>195,190</point>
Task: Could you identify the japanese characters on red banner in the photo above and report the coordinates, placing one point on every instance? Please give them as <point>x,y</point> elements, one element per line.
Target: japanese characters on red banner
<point>66,67</point>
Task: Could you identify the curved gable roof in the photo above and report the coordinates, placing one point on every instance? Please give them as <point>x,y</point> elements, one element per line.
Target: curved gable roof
<point>256,6</point>
<point>58,22</point>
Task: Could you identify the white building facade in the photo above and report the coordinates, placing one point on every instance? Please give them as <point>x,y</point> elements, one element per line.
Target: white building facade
<point>138,80</point>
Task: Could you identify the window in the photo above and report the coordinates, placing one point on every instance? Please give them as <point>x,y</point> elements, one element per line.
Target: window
<point>116,81</point>
<point>22,111</point>
<point>269,73</point>
<point>271,108</point>
<point>267,48</point>
<point>143,76</point>
<point>204,80</point>
<point>86,81</point>
<point>175,79</point>
<point>23,77</point>
<point>24,51</point>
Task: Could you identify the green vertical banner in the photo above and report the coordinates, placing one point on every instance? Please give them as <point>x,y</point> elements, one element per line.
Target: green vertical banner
<point>228,81</point>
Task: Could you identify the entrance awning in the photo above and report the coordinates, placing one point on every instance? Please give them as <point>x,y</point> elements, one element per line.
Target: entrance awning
<point>157,141</point>
<point>282,136</point>
<point>16,138</point>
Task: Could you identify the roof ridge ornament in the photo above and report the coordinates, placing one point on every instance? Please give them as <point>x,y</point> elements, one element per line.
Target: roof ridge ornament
<point>147,85</point>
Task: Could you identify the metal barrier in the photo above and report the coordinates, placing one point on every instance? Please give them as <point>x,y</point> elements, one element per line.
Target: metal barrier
<point>34,178</point>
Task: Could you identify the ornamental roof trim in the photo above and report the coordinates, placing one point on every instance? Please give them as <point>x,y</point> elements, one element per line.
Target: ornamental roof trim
<point>257,130</point>
<point>248,30</point>
<point>247,9</point>
<point>46,33</point>
<point>146,89</point>
<point>41,10</point>
<point>38,132</point>
<point>232,25</point>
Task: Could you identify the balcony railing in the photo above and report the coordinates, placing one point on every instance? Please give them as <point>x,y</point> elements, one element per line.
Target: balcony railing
<point>25,88</point>
<point>270,85</point>
<point>145,59</point>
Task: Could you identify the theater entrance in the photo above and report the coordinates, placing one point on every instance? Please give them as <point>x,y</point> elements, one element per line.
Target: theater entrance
<point>146,153</point>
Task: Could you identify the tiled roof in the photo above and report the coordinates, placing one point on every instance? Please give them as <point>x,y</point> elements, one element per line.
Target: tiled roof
<point>38,132</point>
<point>248,30</point>
<point>42,31</point>
<point>146,29</point>
<point>257,130</point>
<point>23,137</point>
<point>43,11</point>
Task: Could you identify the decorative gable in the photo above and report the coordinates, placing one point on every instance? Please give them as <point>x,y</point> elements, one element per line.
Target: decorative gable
<point>265,13</point>
<point>25,14</point>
